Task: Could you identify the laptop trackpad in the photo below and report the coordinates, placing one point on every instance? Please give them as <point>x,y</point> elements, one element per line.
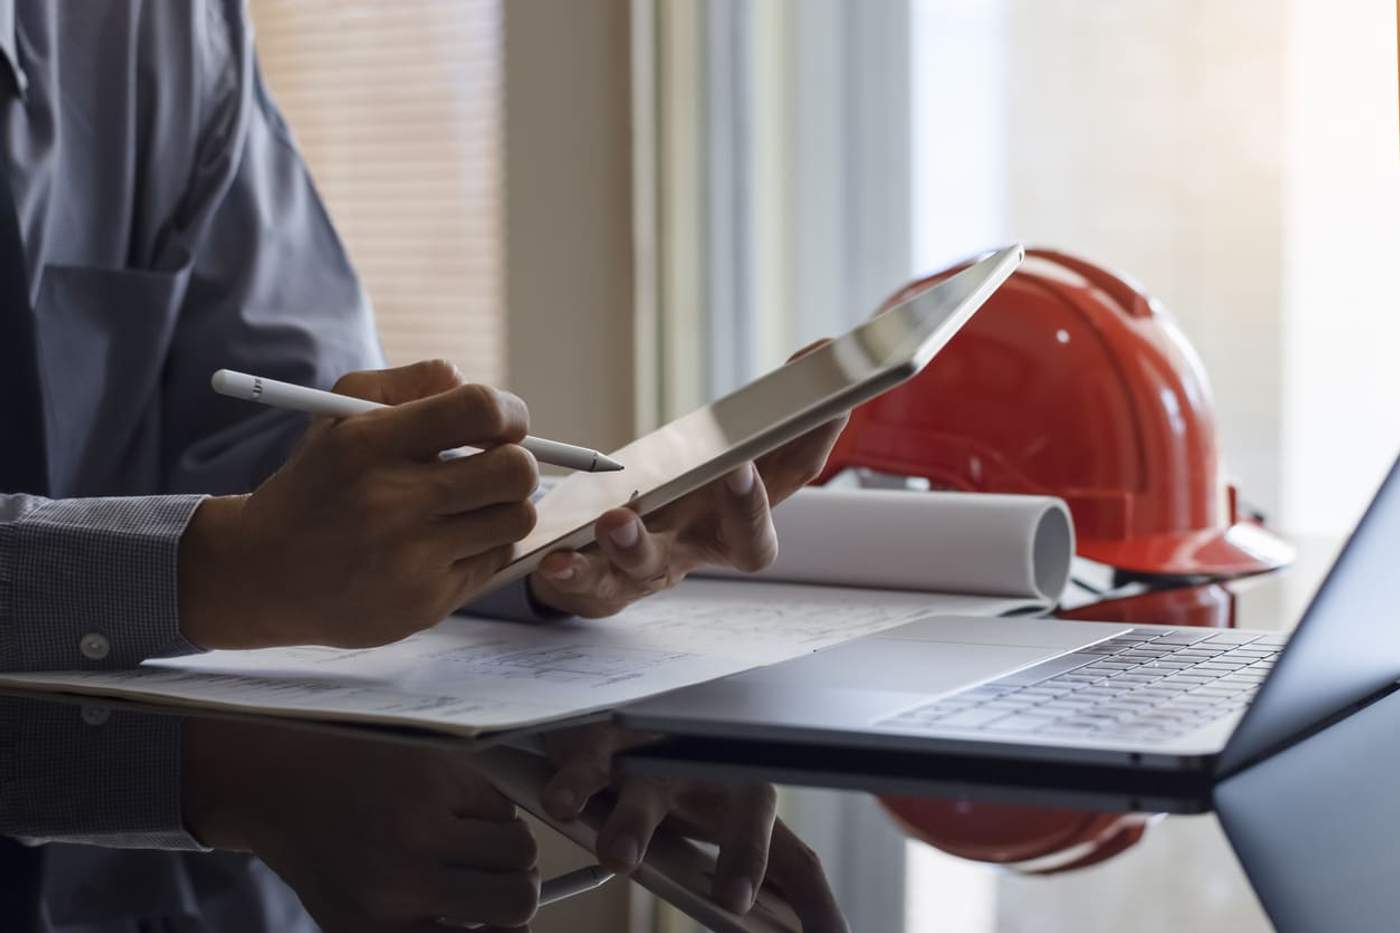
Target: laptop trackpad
<point>870,664</point>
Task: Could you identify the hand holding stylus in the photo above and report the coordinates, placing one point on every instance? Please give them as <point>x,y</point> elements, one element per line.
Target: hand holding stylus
<point>365,536</point>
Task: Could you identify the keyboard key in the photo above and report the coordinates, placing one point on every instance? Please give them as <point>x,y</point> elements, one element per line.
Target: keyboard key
<point>1019,724</point>
<point>1067,730</point>
<point>1047,669</point>
<point>1192,675</point>
<point>1066,709</point>
<point>1130,638</point>
<point>1042,692</point>
<point>1233,638</point>
<point>1078,678</point>
<point>1008,704</point>
<point>1182,638</point>
<point>986,691</point>
<point>1139,677</point>
<point>1106,688</point>
<point>1215,691</point>
<point>1092,723</point>
<point>970,718</point>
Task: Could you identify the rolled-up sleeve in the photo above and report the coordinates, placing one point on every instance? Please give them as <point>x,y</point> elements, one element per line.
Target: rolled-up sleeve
<point>90,583</point>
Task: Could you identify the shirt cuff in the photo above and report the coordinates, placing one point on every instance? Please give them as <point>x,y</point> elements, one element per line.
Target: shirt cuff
<point>92,583</point>
<point>513,603</point>
<point>88,773</point>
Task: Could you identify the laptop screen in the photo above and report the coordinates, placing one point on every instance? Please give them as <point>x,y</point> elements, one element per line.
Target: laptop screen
<point>1315,826</point>
<point>1347,646</point>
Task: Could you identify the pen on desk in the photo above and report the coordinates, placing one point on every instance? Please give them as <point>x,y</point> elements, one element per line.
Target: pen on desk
<point>316,402</point>
<point>556,889</point>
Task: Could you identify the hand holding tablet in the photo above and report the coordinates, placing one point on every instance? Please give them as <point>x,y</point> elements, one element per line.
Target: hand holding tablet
<point>759,418</point>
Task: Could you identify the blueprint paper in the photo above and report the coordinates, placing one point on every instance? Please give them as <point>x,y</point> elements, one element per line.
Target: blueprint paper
<point>940,542</point>
<point>468,676</point>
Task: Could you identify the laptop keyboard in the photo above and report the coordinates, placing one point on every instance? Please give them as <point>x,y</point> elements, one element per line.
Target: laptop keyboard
<point>1144,685</point>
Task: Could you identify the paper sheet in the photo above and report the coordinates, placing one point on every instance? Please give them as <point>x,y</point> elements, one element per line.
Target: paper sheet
<point>942,542</point>
<point>468,676</point>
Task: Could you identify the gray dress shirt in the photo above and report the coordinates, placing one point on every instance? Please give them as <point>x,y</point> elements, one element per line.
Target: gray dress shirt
<point>170,229</point>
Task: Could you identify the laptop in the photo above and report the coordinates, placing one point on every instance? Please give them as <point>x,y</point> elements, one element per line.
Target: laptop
<point>1082,693</point>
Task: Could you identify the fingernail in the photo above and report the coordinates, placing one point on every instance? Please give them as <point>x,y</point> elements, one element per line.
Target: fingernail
<point>741,480</point>
<point>740,895</point>
<point>626,851</point>
<point>625,535</point>
<point>563,573</point>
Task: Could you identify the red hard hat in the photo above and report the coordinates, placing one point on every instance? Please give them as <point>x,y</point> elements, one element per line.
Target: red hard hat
<point>1031,840</point>
<point>1072,382</point>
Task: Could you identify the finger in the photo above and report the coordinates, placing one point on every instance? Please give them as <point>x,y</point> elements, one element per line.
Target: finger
<point>567,571</point>
<point>746,522</point>
<point>475,797</point>
<point>630,548</point>
<point>587,584</point>
<point>799,461</point>
<point>487,845</point>
<point>743,846</point>
<point>795,869</point>
<point>471,534</point>
<point>503,899</point>
<point>623,840</point>
<point>402,383</point>
<point>582,773</point>
<point>508,473</point>
<point>475,415</point>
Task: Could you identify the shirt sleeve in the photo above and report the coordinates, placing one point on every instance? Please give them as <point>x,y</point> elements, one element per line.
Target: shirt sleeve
<point>90,583</point>
<point>513,603</point>
<point>88,773</point>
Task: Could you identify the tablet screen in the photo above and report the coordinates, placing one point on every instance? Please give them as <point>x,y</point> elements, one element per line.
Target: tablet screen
<point>710,441</point>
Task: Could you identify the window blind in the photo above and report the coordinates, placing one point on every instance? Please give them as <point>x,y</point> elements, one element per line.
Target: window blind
<point>397,108</point>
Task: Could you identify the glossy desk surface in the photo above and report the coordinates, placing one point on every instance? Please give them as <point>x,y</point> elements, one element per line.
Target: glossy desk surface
<point>1303,841</point>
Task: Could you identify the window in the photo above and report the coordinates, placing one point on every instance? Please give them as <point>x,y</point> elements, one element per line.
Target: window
<point>397,108</point>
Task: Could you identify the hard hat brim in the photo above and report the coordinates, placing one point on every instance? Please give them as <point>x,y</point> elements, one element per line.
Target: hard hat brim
<point>1241,549</point>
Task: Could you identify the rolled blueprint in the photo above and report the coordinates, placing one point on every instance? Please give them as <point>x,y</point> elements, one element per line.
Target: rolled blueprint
<point>943,542</point>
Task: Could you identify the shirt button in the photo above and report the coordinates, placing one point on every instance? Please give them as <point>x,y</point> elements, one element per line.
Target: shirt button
<point>94,646</point>
<point>96,715</point>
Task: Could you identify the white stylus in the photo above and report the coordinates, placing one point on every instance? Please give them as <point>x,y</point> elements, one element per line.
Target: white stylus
<point>554,890</point>
<point>314,401</point>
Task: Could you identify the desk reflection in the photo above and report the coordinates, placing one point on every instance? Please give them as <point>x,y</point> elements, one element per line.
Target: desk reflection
<point>109,812</point>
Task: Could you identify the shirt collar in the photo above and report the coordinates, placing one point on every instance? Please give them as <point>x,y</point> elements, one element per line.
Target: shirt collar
<point>9,45</point>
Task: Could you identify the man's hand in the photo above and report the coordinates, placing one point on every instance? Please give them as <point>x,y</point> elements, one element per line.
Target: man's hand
<point>726,524</point>
<point>364,536</point>
<point>372,835</point>
<point>755,846</point>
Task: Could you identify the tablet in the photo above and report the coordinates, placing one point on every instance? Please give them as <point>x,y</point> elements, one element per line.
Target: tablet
<point>765,414</point>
